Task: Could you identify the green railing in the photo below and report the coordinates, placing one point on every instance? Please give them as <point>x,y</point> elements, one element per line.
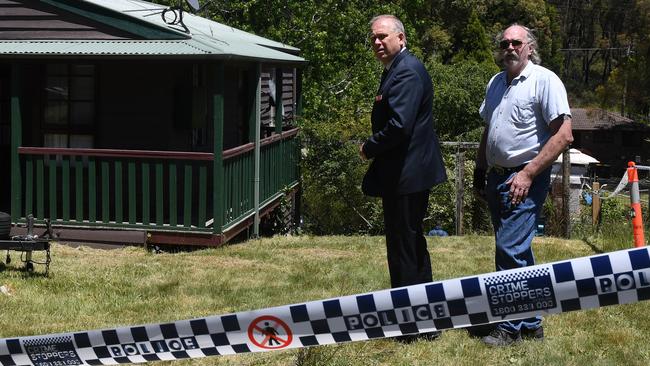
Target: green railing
<point>152,190</point>
<point>117,188</point>
<point>279,158</point>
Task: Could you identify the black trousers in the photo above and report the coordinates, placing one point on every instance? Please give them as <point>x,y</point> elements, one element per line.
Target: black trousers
<point>408,258</point>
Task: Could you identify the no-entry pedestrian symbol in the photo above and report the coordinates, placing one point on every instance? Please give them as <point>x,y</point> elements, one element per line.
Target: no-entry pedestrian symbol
<point>269,332</point>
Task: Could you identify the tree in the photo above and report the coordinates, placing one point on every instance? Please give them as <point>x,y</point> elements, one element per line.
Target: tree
<point>626,88</point>
<point>459,91</point>
<point>475,44</point>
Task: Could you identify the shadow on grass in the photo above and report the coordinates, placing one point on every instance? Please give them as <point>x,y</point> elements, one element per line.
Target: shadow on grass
<point>24,271</point>
<point>593,246</point>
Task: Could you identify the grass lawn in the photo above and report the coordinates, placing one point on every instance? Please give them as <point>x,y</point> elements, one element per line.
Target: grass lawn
<point>92,289</point>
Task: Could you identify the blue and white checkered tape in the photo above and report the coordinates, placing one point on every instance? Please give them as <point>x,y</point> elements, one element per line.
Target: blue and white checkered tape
<point>583,283</point>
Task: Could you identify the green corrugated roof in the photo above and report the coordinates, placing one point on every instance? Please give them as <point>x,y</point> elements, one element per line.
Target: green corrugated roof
<point>193,47</point>
<point>206,38</point>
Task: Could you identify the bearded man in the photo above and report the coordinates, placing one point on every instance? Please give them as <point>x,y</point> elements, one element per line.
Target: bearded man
<point>527,125</point>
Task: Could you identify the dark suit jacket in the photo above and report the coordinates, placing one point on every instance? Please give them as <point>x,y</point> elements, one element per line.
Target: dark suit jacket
<point>404,145</point>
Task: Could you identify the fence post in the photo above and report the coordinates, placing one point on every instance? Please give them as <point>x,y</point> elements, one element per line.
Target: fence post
<point>460,190</point>
<point>566,192</point>
<point>595,205</point>
<point>256,134</point>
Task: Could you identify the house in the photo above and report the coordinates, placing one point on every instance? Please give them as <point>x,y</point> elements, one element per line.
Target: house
<point>130,121</point>
<point>610,138</point>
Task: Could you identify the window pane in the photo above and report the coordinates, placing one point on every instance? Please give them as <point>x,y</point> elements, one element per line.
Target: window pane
<point>82,88</point>
<point>81,141</point>
<point>82,113</point>
<point>55,140</point>
<point>56,113</point>
<point>57,88</point>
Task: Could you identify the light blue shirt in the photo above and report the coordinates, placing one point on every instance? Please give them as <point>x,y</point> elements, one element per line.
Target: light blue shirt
<point>518,115</point>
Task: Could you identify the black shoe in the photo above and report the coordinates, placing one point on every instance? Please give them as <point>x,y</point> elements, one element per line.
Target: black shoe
<point>412,338</point>
<point>501,338</point>
<point>480,331</point>
<point>536,334</point>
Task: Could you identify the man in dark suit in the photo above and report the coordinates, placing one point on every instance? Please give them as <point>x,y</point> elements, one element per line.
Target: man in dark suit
<point>405,152</point>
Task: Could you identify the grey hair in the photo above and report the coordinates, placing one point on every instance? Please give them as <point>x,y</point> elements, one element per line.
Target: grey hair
<point>531,40</point>
<point>397,24</point>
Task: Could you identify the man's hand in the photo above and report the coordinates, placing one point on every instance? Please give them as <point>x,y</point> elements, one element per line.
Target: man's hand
<point>479,183</point>
<point>362,154</point>
<point>520,183</point>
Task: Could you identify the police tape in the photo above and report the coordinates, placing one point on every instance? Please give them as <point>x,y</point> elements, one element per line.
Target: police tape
<point>583,283</point>
<point>622,184</point>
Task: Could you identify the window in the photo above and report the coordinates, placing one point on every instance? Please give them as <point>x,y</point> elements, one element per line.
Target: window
<point>268,101</point>
<point>272,80</point>
<point>69,111</point>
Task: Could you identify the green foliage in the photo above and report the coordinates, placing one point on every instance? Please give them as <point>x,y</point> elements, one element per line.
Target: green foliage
<point>551,55</point>
<point>332,173</point>
<point>614,232</point>
<point>631,79</point>
<point>613,210</point>
<point>553,220</point>
<point>459,91</point>
<point>608,45</point>
<point>442,202</point>
<point>436,42</point>
<point>475,44</point>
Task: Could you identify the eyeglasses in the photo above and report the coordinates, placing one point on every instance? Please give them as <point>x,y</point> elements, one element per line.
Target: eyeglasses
<point>505,43</point>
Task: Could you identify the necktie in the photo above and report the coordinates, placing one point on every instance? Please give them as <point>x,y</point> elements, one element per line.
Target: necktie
<point>383,76</point>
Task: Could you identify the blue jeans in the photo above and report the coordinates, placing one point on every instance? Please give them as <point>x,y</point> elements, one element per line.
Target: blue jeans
<point>514,229</point>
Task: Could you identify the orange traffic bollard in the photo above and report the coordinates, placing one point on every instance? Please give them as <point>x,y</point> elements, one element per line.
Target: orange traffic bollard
<point>635,203</point>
